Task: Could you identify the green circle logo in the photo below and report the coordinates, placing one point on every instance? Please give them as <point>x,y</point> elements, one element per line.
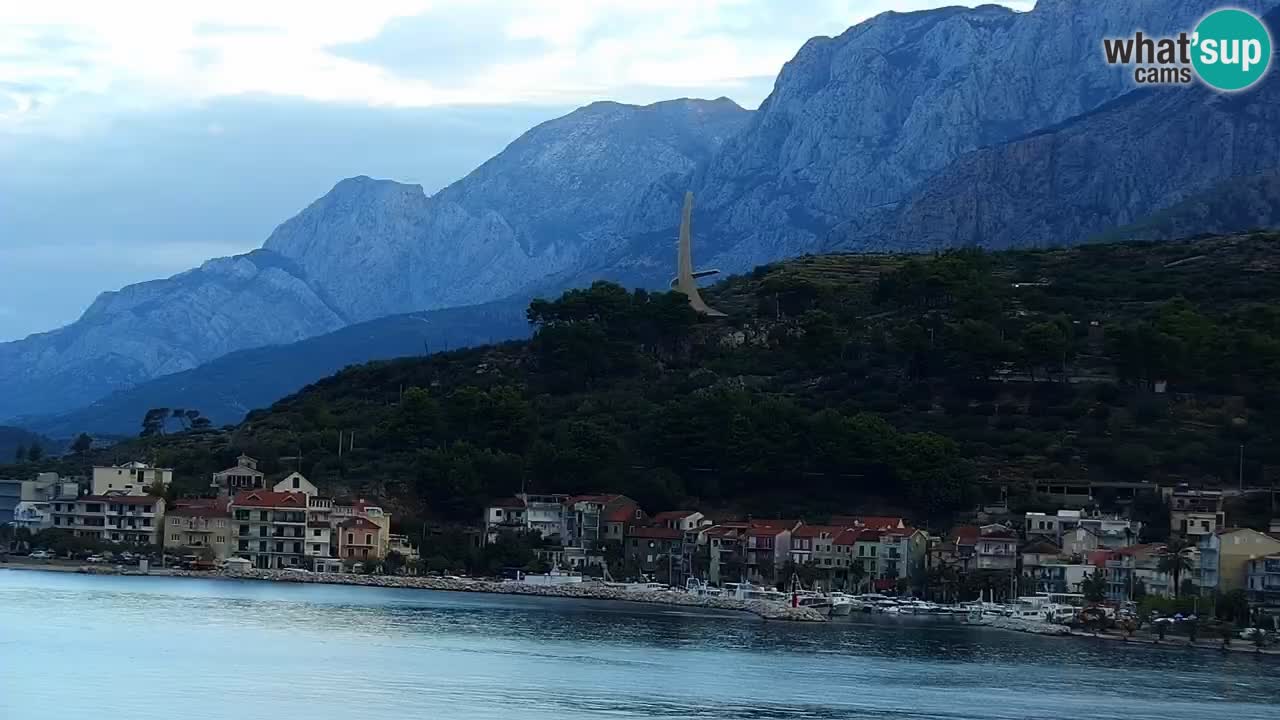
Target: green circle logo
<point>1232,49</point>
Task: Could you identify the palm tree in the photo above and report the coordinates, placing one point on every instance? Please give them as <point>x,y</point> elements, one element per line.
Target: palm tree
<point>1175,561</point>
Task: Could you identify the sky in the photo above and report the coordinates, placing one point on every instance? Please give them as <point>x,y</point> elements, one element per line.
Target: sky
<point>139,138</point>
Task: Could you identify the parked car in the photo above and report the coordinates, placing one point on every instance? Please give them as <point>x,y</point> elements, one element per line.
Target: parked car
<point>95,559</point>
<point>1250,632</point>
<point>41,555</point>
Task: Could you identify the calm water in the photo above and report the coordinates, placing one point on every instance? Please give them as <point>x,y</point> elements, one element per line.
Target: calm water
<point>74,646</point>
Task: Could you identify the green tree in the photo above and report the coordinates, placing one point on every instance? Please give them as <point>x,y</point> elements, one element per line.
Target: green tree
<point>1175,562</point>
<point>82,445</point>
<point>1094,586</point>
<point>35,452</point>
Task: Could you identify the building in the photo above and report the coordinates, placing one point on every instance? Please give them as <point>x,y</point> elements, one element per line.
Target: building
<point>244,475</point>
<point>1062,528</point>
<point>193,528</point>
<point>590,520</point>
<point>360,539</point>
<point>655,552</point>
<point>682,520</point>
<point>768,544</point>
<point>10,496</point>
<point>815,544</point>
<point>1060,577</point>
<point>133,478</point>
<point>402,545</point>
<point>373,513</point>
<point>995,548</point>
<point>319,545</point>
<point>296,482</point>
<point>116,518</point>
<point>32,516</point>
<point>1263,580</point>
<point>1231,550</point>
<point>1194,512</point>
<point>270,528</point>
<point>1036,554</point>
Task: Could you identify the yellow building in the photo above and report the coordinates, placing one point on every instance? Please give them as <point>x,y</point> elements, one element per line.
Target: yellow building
<point>1237,546</point>
<point>190,529</point>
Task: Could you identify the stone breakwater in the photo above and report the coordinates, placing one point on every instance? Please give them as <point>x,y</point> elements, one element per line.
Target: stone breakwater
<point>584,591</point>
<point>1029,626</point>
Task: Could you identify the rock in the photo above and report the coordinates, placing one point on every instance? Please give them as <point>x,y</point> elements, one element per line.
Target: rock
<point>1029,626</point>
<point>585,591</point>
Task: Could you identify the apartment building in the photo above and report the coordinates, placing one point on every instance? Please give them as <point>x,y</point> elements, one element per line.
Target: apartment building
<point>655,552</point>
<point>270,528</point>
<point>1263,580</point>
<point>130,479</point>
<point>115,518</point>
<point>194,527</point>
<point>1194,513</point>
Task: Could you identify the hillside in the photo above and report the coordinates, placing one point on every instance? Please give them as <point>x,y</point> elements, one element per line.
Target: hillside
<point>839,383</point>
<point>910,131</point>
<point>227,388</point>
<point>12,439</point>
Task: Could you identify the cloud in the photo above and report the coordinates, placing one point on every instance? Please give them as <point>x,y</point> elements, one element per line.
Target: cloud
<point>80,61</point>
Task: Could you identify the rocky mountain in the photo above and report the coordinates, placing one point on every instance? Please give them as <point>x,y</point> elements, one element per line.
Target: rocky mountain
<point>857,122</point>
<point>1108,168</point>
<point>232,385</point>
<point>372,248</point>
<point>556,196</point>
<point>910,130</point>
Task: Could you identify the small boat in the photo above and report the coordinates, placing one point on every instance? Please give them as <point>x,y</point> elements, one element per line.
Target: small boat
<point>841,604</point>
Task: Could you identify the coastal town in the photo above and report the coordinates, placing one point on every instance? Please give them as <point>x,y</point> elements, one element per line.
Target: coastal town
<point>1045,565</point>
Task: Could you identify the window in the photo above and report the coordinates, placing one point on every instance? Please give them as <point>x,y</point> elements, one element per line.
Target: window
<point>222,538</point>
<point>368,539</point>
<point>315,548</point>
<point>175,537</point>
<point>316,532</point>
<point>295,483</point>
<point>264,516</point>
<point>262,546</point>
<point>244,545</point>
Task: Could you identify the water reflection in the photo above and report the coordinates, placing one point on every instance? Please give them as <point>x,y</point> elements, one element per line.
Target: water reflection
<point>246,650</point>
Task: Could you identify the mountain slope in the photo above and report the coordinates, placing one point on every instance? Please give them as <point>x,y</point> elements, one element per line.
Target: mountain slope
<point>1112,167</point>
<point>858,121</point>
<point>227,388</point>
<point>372,248</point>
<point>916,380</point>
<point>161,327</point>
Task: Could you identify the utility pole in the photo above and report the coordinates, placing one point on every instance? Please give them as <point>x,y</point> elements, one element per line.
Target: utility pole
<point>1240,472</point>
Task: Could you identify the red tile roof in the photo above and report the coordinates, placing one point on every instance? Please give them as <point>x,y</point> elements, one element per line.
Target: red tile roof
<point>875,522</point>
<point>813,531</point>
<point>882,522</point>
<point>270,499</point>
<point>776,525</point>
<point>655,533</point>
<point>359,523</point>
<point>625,512</point>
<point>121,499</point>
<point>967,534</point>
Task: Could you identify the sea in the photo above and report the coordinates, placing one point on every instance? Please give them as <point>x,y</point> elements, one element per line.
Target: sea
<point>75,646</point>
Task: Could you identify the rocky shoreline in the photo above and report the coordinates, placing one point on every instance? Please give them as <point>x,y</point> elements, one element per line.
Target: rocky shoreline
<point>582,591</point>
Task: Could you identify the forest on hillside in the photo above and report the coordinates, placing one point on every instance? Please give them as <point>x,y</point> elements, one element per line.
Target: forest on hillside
<point>839,383</point>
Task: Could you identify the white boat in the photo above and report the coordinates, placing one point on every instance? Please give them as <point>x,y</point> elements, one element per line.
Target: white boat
<point>841,604</point>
